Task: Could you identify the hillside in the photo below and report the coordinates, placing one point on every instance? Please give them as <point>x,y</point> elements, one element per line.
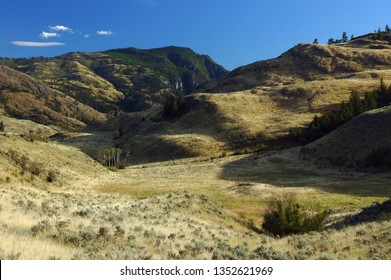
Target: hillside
<point>362,143</point>
<point>356,63</point>
<point>24,97</point>
<point>56,203</point>
<point>122,79</point>
<point>240,119</point>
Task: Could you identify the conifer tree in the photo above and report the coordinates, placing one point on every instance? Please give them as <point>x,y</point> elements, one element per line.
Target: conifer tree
<point>169,105</point>
<point>2,127</point>
<point>181,104</point>
<point>344,37</point>
<point>356,103</point>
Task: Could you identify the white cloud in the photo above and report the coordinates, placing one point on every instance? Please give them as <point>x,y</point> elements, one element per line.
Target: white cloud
<point>87,36</point>
<point>36,44</point>
<point>47,35</point>
<point>60,28</point>
<point>105,32</point>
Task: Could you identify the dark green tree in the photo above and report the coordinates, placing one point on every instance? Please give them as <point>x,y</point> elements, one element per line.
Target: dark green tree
<point>2,127</point>
<point>388,29</point>
<point>170,106</point>
<point>315,41</point>
<point>344,37</point>
<point>357,103</point>
<point>330,41</point>
<point>181,104</point>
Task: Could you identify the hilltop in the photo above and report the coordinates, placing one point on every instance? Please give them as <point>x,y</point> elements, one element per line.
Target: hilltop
<point>357,61</point>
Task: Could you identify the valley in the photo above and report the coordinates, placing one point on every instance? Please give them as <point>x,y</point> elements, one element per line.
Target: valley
<point>198,185</point>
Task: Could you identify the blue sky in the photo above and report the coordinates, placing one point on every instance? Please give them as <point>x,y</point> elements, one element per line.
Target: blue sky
<point>232,32</point>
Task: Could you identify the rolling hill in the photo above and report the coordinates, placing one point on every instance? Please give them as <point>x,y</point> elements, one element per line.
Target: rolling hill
<point>122,79</point>
<point>362,143</point>
<point>24,97</point>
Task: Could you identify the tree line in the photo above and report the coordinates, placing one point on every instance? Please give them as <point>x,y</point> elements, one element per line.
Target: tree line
<point>378,35</point>
<point>355,106</point>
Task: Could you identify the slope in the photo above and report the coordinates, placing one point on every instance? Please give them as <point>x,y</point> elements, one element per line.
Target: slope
<point>364,142</point>
<point>122,79</point>
<point>24,97</point>
<point>356,62</point>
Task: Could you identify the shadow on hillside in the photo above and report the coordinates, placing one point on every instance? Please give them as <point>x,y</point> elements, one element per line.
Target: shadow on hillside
<point>147,150</point>
<point>151,138</point>
<point>284,169</point>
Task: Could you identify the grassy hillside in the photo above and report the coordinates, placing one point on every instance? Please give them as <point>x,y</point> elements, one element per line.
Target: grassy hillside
<point>364,142</point>
<point>355,63</point>
<point>24,97</point>
<point>122,79</point>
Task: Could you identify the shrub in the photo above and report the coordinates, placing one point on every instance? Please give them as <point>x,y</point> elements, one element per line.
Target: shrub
<point>286,216</point>
<point>41,227</point>
<point>51,176</point>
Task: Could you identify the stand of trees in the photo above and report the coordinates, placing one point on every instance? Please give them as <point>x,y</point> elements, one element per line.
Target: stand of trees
<point>111,157</point>
<point>174,106</point>
<point>320,126</point>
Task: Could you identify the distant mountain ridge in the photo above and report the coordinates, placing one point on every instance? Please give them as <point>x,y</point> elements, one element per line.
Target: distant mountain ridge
<point>122,79</point>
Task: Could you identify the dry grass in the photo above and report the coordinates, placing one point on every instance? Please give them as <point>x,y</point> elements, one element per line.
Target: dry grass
<point>184,209</point>
<point>187,196</point>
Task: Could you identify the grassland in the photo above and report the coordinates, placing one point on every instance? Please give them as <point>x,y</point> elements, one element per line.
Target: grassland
<point>198,208</point>
<point>197,187</point>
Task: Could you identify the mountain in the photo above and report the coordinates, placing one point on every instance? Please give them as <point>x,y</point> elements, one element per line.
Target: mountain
<point>122,79</point>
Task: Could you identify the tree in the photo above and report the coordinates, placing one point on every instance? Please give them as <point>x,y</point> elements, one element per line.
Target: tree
<point>315,41</point>
<point>330,41</point>
<point>181,104</point>
<point>2,127</point>
<point>169,105</point>
<point>356,103</point>
<point>111,157</point>
<point>388,29</point>
<point>344,37</point>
